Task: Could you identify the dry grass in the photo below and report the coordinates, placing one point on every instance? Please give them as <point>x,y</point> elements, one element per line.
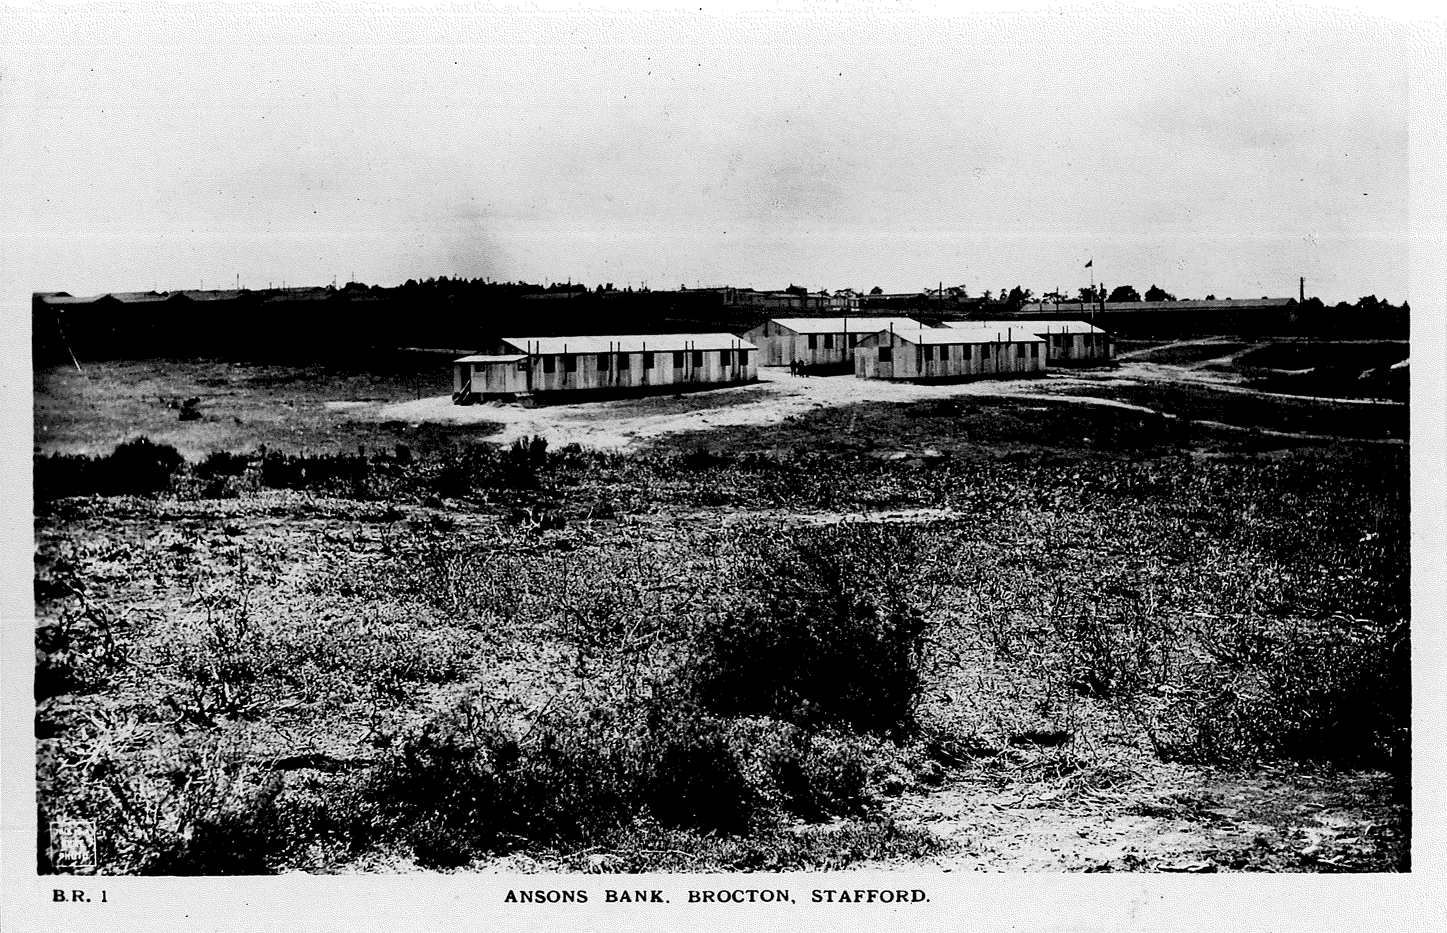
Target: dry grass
<point>255,680</point>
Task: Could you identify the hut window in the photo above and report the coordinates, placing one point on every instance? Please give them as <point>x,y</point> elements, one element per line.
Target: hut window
<point>677,359</point>
<point>697,359</point>
<point>1034,351</point>
<point>603,361</point>
<point>725,357</point>
<point>854,340</point>
<point>550,364</point>
<point>522,366</point>
<point>813,341</point>
<point>828,341</point>
<point>648,361</point>
<point>743,357</point>
<point>886,354</point>
<point>929,354</point>
<point>570,363</point>
<point>944,354</point>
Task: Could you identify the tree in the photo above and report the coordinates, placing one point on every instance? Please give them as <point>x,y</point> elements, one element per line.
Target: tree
<point>1158,294</point>
<point>876,290</point>
<point>1124,293</point>
<point>1089,294</point>
<point>1018,297</point>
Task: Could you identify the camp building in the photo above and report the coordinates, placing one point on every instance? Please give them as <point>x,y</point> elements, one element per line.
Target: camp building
<point>1067,343</point>
<point>627,364</point>
<point>950,354</point>
<point>819,342</point>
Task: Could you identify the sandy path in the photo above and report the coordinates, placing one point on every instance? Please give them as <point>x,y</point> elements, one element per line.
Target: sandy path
<point>623,423</point>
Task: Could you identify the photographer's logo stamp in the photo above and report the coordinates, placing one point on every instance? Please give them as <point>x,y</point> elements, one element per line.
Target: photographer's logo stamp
<point>72,844</point>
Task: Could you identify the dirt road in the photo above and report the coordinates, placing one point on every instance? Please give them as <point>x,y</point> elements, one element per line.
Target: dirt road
<point>777,396</point>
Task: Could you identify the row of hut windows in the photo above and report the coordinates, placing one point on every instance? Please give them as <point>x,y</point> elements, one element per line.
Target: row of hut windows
<point>829,340</point>
<point>605,360</point>
<point>1061,340</point>
<point>927,353</point>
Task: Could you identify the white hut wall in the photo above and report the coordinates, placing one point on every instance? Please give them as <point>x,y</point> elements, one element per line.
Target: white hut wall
<point>1077,347</point>
<point>509,377</point>
<point>615,370</point>
<point>868,363</point>
<point>774,343</point>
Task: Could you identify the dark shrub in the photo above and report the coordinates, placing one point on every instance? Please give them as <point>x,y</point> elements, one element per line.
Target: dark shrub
<point>525,460</point>
<point>692,779</point>
<point>1336,691</point>
<point>77,652</point>
<point>221,463</point>
<point>348,475</point>
<point>135,468</point>
<point>824,633</point>
<point>812,775</point>
<point>192,805</point>
<point>462,785</point>
<point>246,836</point>
<point>138,467</point>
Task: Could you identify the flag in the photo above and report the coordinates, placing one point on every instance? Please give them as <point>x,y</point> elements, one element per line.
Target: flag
<point>1089,264</point>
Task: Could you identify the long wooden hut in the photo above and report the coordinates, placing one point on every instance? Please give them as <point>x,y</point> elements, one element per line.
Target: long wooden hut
<point>1067,343</point>
<point>603,365</point>
<point>820,343</point>
<point>948,354</point>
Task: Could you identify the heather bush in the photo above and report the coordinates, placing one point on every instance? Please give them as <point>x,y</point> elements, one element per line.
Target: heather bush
<point>469,783</point>
<point>134,468</point>
<point>184,807</point>
<point>823,632</point>
<point>1336,691</point>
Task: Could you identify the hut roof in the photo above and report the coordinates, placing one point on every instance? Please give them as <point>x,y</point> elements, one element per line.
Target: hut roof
<point>936,336</point>
<point>1038,327</point>
<point>223,294</point>
<point>838,325</point>
<point>131,298</point>
<point>483,358</point>
<point>628,343</point>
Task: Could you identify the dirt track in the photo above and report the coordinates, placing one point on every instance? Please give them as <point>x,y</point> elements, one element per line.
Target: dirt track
<point>777,396</point>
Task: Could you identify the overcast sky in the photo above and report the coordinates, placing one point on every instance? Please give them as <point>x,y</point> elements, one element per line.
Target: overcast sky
<point>166,148</point>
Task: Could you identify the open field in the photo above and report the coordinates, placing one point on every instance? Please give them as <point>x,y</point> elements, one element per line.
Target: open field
<point>1337,369</point>
<point>241,406</point>
<point>1079,634</point>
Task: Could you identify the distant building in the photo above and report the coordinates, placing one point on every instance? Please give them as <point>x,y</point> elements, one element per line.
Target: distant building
<point>818,342</point>
<point>1082,308</point>
<point>946,354</point>
<point>845,300</point>
<point>1067,343</point>
<point>626,364</point>
<point>1182,318</point>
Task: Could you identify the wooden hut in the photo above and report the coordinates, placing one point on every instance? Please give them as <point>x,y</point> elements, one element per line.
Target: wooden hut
<point>947,354</point>
<point>603,365</point>
<point>1067,343</point>
<point>820,343</point>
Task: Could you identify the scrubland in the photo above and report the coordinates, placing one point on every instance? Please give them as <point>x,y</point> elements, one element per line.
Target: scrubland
<point>966,633</point>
